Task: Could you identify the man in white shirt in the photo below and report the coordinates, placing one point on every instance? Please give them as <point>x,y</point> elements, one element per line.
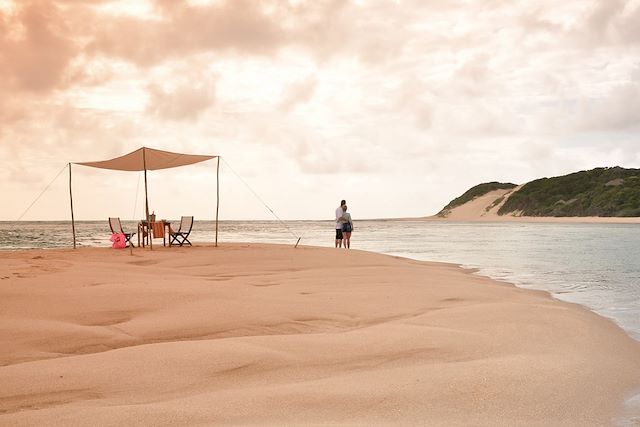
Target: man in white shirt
<point>339,218</point>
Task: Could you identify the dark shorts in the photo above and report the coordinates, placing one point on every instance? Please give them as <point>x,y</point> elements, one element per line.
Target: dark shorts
<point>338,234</point>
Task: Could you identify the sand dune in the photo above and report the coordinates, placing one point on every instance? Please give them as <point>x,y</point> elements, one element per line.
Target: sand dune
<point>269,335</point>
<point>482,207</point>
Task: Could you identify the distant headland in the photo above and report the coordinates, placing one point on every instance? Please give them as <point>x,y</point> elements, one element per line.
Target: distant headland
<point>599,195</point>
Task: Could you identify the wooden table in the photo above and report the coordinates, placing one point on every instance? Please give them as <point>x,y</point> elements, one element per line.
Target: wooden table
<point>145,230</point>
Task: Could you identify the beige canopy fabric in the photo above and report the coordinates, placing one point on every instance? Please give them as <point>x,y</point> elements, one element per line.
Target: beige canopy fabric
<point>147,159</point>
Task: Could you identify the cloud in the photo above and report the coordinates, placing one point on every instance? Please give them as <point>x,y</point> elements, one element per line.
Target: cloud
<point>35,47</point>
<point>297,93</point>
<point>612,22</point>
<point>184,30</point>
<point>329,91</point>
<point>618,110</point>
<point>318,28</point>
<point>185,102</point>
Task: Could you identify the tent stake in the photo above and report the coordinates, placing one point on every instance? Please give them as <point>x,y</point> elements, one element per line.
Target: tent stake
<point>73,223</point>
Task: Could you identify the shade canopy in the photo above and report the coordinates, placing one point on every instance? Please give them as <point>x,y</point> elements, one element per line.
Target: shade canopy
<point>147,159</point>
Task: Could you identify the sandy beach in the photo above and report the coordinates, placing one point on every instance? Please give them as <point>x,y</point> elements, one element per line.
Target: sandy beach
<point>270,335</point>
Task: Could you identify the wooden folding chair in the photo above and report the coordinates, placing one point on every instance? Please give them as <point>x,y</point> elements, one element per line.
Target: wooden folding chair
<point>116,227</point>
<point>180,237</point>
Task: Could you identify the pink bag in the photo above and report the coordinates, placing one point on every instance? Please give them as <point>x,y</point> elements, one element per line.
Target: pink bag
<point>119,241</point>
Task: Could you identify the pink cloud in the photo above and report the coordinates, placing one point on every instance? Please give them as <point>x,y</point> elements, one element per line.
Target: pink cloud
<point>35,48</point>
<point>184,30</point>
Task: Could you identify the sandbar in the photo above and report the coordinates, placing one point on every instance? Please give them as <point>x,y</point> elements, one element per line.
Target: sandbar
<point>255,334</point>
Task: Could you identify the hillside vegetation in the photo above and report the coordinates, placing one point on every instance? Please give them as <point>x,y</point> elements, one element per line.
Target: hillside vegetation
<point>603,192</point>
<point>473,192</point>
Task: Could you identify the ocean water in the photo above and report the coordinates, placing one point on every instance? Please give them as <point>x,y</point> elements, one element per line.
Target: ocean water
<point>596,265</point>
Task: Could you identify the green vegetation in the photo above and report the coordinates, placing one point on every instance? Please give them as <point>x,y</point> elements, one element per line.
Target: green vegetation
<point>473,192</point>
<point>495,203</point>
<point>598,192</point>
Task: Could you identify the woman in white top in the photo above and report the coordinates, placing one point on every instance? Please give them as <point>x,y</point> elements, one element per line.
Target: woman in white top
<point>347,227</point>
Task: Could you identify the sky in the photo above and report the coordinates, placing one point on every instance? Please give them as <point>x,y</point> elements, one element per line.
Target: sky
<point>397,106</point>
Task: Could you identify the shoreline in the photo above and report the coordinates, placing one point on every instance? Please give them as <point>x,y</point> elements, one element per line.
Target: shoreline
<point>520,219</point>
<point>466,218</point>
<point>540,220</point>
<point>261,318</point>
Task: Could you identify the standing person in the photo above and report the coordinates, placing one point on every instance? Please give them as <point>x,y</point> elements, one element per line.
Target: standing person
<point>339,213</point>
<point>347,227</point>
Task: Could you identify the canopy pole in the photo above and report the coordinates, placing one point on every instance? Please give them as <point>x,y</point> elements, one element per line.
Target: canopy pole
<point>217,196</point>
<point>146,199</point>
<point>73,223</point>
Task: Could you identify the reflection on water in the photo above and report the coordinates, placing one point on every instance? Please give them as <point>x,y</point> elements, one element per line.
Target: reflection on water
<point>597,265</point>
